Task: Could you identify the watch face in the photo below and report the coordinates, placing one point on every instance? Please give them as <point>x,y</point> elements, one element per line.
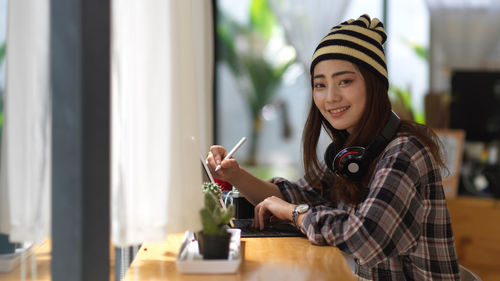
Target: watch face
<point>302,208</point>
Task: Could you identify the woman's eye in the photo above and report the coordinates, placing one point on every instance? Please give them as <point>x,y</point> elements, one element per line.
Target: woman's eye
<point>345,82</point>
<point>319,85</point>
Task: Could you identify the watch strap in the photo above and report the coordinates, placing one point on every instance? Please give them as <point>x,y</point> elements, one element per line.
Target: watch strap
<point>295,214</point>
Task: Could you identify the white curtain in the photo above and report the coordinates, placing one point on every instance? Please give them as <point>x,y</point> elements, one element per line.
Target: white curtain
<point>464,35</point>
<point>161,82</point>
<point>307,22</point>
<point>25,175</point>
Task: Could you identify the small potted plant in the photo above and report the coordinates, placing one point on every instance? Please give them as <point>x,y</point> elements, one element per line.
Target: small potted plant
<point>214,239</point>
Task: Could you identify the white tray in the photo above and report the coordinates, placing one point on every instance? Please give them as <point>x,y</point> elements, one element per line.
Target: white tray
<point>9,261</point>
<point>190,261</point>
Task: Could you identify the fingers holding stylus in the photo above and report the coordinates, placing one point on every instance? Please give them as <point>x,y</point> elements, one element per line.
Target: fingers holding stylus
<point>230,154</point>
<point>221,159</point>
<point>215,156</point>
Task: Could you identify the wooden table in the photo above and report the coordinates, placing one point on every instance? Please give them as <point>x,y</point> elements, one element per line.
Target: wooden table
<point>42,252</point>
<point>282,258</point>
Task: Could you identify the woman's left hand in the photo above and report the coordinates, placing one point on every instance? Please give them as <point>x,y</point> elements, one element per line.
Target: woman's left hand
<point>272,206</point>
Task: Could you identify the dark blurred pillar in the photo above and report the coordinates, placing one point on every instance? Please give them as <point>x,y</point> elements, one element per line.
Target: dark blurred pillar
<point>80,78</point>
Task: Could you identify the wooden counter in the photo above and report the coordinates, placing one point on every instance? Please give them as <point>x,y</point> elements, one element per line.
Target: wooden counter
<point>476,227</point>
<point>282,258</point>
<point>43,256</point>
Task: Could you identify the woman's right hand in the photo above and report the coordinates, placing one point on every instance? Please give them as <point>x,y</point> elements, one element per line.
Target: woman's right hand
<point>229,168</point>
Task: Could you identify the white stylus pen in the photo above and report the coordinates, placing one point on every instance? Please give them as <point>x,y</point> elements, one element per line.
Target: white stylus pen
<point>230,154</point>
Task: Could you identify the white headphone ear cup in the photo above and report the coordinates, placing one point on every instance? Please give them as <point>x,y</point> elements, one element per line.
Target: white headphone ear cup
<point>353,168</point>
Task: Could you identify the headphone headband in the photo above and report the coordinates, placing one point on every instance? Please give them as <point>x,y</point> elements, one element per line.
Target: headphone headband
<point>391,127</point>
<point>382,140</point>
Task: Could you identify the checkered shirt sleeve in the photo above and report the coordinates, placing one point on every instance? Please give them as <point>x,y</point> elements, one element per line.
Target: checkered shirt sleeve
<point>401,231</point>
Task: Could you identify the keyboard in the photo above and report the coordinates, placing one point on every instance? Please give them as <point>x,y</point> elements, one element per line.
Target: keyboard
<point>279,229</point>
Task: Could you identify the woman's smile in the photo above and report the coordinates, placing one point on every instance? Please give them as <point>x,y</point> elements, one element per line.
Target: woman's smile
<point>338,112</point>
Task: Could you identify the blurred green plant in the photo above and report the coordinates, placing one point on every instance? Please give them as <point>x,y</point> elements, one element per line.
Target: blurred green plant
<point>419,50</point>
<point>2,52</point>
<point>402,104</point>
<point>242,48</point>
<point>401,96</point>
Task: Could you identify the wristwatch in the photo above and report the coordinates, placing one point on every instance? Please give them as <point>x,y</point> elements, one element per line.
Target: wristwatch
<point>299,209</point>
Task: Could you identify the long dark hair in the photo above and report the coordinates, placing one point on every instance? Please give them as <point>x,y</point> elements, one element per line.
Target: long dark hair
<point>374,118</point>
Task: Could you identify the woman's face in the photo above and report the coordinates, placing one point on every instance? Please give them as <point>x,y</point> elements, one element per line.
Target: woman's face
<point>339,92</point>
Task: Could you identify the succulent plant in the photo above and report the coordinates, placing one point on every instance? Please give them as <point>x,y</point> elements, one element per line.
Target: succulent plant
<point>212,188</point>
<point>214,217</point>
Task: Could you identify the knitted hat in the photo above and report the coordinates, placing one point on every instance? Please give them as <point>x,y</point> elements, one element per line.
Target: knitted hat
<point>358,41</point>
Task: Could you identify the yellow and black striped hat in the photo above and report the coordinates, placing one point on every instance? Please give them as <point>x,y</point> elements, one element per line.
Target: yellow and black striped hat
<point>358,41</point>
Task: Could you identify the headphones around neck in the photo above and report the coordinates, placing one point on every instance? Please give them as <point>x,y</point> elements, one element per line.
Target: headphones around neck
<point>352,162</point>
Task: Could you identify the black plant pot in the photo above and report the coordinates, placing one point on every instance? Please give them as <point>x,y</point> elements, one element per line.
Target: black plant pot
<point>213,246</point>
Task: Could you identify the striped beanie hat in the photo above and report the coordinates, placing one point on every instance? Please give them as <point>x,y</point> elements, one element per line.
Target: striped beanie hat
<point>358,41</point>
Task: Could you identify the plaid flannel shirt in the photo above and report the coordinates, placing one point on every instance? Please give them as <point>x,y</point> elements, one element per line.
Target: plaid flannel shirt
<point>402,229</point>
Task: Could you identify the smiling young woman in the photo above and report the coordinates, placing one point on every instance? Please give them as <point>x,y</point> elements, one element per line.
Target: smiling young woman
<point>377,195</point>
